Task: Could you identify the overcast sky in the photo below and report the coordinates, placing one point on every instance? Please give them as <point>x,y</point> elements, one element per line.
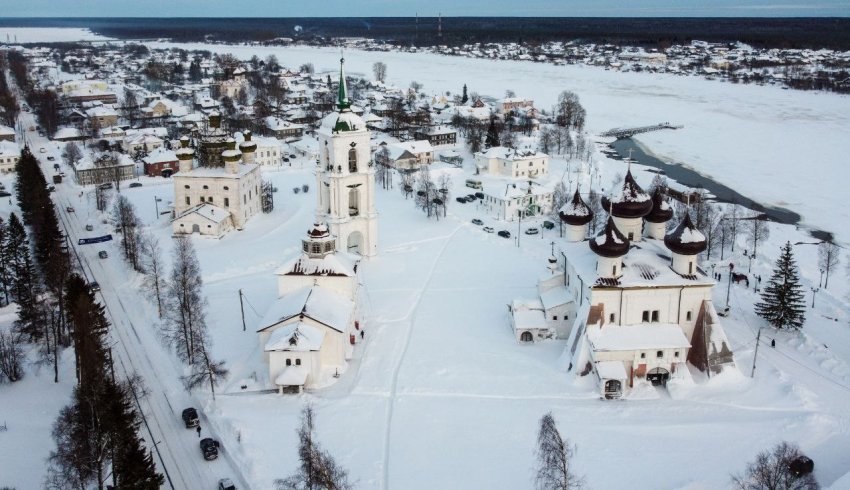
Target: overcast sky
<point>408,8</point>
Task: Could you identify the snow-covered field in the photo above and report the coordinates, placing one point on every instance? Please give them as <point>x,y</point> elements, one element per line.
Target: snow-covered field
<point>48,35</point>
<point>757,140</point>
<point>440,395</point>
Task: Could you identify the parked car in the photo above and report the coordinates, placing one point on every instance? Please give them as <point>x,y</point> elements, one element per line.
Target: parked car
<point>479,195</point>
<point>291,156</point>
<point>532,231</point>
<point>504,234</point>
<point>51,158</point>
<point>488,229</point>
<point>470,197</point>
<point>94,286</point>
<point>103,255</point>
<point>69,209</point>
<point>209,448</point>
<point>226,484</point>
<point>105,185</point>
<point>461,200</point>
<point>89,227</point>
<point>286,159</point>
<point>135,184</point>
<point>190,417</point>
<point>477,221</point>
<point>51,188</point>
<point>42,150</point>
<point>548,225</point>
<point>55,166</point>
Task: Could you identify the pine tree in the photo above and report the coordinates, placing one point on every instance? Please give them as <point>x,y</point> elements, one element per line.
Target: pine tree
<point>464,98</point>
<point>5,273</point>
<point>782,302</point>
<point>24,282</point>
<point>492,134</point>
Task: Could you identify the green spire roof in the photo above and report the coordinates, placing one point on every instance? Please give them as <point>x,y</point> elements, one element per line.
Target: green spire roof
<point>342,100</point>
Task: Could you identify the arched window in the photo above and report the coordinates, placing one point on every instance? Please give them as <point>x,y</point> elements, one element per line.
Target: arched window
<point>352,160</point>
<point>317,248</point>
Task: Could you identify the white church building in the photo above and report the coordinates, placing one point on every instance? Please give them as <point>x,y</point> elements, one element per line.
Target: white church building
<point>214,200</point>
<point>641,307</point>
<point>308,334</point>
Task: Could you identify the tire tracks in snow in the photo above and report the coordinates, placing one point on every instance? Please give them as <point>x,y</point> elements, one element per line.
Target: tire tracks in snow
<point>411,315</point>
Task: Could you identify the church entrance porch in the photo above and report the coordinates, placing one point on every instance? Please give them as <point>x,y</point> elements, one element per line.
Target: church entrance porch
<point>658,376</point>
<point>355,242</point>
<point>526,337</point>
<point>613,389</point>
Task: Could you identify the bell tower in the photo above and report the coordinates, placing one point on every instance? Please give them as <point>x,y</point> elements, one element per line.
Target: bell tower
<point>346,177</point>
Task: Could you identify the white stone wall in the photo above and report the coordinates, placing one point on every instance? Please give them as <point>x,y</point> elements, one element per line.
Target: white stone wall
<point>243,194</point>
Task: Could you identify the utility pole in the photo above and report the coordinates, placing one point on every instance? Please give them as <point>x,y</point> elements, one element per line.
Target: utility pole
<point>756,354</point>
<point>729,286</point>
<point>242,309</point>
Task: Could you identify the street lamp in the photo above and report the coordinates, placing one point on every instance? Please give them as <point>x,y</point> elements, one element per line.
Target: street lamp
<point>814,292</point>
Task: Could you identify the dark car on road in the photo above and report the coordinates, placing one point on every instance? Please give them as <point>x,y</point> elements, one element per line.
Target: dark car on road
<point>477,221</point>
<point>209,447</point>
<point>504,234</point>
<point>461,200</point>
<point>135,184</point>
<point>190,417</point>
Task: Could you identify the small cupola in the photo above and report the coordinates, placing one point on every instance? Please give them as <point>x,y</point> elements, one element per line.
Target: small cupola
<point>185,155</point>
<point>319,241</point>
<point>610,246</point>
<point>686,242</point>
<point>576,214</point>
<point>628,205</point>
<point>656,220</point>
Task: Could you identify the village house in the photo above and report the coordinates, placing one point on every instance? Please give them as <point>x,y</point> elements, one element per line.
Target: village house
<point>516,200</point>
<point>284,130</point>
<point>160,163</point>
<point>437,136</point>
<point>7,133</point>
<point>102,116</point>
<point>104,168</point>
<point>10,153</point>
<point>508,162</point>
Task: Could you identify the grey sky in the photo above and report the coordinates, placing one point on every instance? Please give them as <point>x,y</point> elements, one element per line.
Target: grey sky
<point>406,8</point>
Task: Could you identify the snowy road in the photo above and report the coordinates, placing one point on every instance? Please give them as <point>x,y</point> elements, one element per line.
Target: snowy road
<point>137,349</point>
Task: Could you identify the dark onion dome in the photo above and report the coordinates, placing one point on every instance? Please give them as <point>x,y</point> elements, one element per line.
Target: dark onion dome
<point>575,212</point>
<point>610,243</point>
<point>631,202</point>
<point>686,239</point>
<point>661,209</point>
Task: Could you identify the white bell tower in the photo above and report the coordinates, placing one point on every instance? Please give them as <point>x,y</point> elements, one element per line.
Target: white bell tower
<point>346,178</point>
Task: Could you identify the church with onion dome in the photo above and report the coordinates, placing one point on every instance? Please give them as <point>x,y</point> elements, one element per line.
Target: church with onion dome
<point>309,333</point>
<point>212,200</point>
<point>640,307</point>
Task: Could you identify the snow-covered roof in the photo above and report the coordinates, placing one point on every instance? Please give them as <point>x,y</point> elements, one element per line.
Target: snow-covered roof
<point>611,370</point>
<point>6,130</point>
<point>160,155</point>
<point>526,319</point>
<point>296,337</point>
<point>556,296</point>
<point>218,172</point>
<point>505,153</point>
<point>7,148</point>
<point>335,264</point>
<point>66,133</point>
<point>208,211</point>
<point>292,376</point>
<point>321,304</point>
<point>645,336</point>
<point>646,264</point>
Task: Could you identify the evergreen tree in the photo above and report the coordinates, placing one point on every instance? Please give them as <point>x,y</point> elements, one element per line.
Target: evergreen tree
<point>465,97</point>
<point>492,134</point>
<point>5,273</point>
<point>24,285</point>
<point>782,302</point>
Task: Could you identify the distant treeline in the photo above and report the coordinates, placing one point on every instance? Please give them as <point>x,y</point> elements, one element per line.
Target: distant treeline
<point>651,32</point>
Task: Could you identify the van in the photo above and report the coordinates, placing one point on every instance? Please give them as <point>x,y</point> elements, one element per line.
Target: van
<point>475,184</point>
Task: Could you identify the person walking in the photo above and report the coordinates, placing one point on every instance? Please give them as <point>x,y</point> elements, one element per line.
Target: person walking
<point>199,431</point>
<point>773,343</point>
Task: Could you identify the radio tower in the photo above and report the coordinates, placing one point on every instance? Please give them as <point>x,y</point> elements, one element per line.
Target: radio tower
<point>440,25</point>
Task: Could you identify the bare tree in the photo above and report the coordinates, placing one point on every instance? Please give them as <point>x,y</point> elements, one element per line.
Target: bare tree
<point>186,306</point>
<point>734,216</point>
<point>757,230</point>
<point>204,369</point>
<point>772,471</point>
<point>554,470</point>
<point>124,217</point>
<point>828,258</point>
<point>379,69</point>
<point>151,261</point>
<point>11,356</point>
<point>71,154</point>
<point>317,469</point>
